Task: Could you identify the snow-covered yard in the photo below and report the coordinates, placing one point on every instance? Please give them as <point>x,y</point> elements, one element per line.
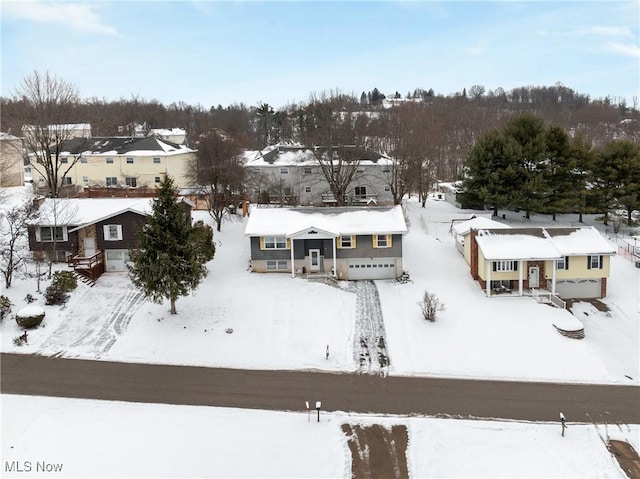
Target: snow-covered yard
<point>241,319</point>
<point>114,439</point>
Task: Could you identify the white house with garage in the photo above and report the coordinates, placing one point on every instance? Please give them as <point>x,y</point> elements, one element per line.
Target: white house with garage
<point>350,243</point>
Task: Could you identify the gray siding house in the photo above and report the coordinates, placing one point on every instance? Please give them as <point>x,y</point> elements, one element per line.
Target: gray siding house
<point>290,174</point>
<point>348,243</point>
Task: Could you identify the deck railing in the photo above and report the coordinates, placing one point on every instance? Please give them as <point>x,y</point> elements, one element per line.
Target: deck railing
<point>548,297</point>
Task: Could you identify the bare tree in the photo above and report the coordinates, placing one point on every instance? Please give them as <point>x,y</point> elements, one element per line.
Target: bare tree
<point>48,106</point>
<point>218,172</point>
<point>14,230</point>
<point>430,306</point>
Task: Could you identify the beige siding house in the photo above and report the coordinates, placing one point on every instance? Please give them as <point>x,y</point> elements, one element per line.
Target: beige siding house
<point>11,161</point>
<point>123,161</point>
<point>567,262</point>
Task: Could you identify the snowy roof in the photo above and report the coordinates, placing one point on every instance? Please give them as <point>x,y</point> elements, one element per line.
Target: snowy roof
<point>579,241</point>
<point>167,131</point>
<point>541,243</point>
<point>122,145</point>
<point>298,155</point>
<point>480,222</point>
<point>7,136</point>
<point>85,211</point>
<point>342,221</point>
<point>516,243</point>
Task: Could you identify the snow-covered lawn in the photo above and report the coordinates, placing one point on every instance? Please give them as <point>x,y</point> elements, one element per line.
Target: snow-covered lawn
<point>114,439</point>
<point>241,319</point>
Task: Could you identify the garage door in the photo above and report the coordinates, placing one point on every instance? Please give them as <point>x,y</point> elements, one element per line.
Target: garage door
<point>116,259</point>
<point>379,268</point>
<point>578,288</point>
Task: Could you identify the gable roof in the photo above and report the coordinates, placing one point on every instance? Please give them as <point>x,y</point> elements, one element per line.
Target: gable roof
<point>299,155</point>
<point>541,243</point>
<point>479,222</point>
<point>120,145</point>
<point>338,220</point>
<point>82,212</point>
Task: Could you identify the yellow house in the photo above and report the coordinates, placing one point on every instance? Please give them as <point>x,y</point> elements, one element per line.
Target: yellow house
<point>568,262</point>
<point>11,162</point>
<point>122,161</point>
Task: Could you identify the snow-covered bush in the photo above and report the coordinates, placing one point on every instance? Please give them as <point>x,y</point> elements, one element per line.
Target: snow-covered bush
<point>430,306</point>
<point>65,280</point>
<point>55,294</point>
<point>5,306</point>
<point>30,317</point>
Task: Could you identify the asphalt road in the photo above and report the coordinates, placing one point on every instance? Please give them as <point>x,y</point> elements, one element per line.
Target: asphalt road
<point>288,390</point>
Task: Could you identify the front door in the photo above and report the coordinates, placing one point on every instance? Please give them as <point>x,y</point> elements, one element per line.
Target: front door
<point>534,277</point>
<point>314,257</point>
<point>89,247</point>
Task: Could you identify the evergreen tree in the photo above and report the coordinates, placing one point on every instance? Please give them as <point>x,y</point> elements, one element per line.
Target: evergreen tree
<point>170,260</point>
<point>563,181</point>
<point>492,172</point>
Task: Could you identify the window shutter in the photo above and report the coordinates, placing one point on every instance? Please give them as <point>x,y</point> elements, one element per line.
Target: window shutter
<point>119,232</point>
<point>566,262</point>
<point>389,241</point>
<point>339,241</point>
<point>375,241</point>
<point>288,243</point>
<point>38,237</point>
<point>588,262</point>
<point>495,266</point>
<point>353,241</point>
<point>261,242</point>
<point>105,232</point>
<point>601,262</point>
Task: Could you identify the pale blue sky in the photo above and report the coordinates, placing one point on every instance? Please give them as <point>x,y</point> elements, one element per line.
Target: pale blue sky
<point>211,52</point>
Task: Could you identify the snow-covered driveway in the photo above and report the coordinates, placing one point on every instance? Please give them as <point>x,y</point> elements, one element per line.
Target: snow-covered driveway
<point>113,301</point>
<point>370,346</point>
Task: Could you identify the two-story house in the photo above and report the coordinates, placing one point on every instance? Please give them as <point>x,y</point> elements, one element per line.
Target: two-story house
<point>291,174</point>
<point>122,161</point>
<point>11,161</point>
<point>92,234</point>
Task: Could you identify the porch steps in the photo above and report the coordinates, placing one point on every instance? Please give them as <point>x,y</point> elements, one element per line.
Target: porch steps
<point>85,279</point>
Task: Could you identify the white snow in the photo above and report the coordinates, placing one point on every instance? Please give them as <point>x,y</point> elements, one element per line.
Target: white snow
<point>115,439</point>
<point>278,322</point>
<point>29,311</point>
<point>285,221</point>
<point>79,211</point>
<point>581,242</point>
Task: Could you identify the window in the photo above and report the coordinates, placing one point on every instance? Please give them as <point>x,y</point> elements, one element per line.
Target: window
<point>382,241</point>
<point>361,169</point>
<point>83,160</point>
<point>346,242</point>
<point>386,169</point>
<point>274,242</point>
<point>387,188</point>
<point>307,170</point>
<point>130,161</point>
<point>277,265</point>
<point>64,160</point>
<point>112,181</point>
<point>131,181</point>
<point>157,179</point>
<point>284,171</point>
<point>505,265</point>
<point>156,160</point>
<point>109,161</point>
<point>51,233</point>
<point>360,190</point>
<point>594,262</point>
<point>563,263</point>
<point>307,189</point>
<point>112,232</point>
<point>85,179</point>
<point>66,180</point>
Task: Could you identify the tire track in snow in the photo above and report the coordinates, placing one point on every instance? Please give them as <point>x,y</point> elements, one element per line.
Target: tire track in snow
<point>92,335</point>
<point>370,346</point>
